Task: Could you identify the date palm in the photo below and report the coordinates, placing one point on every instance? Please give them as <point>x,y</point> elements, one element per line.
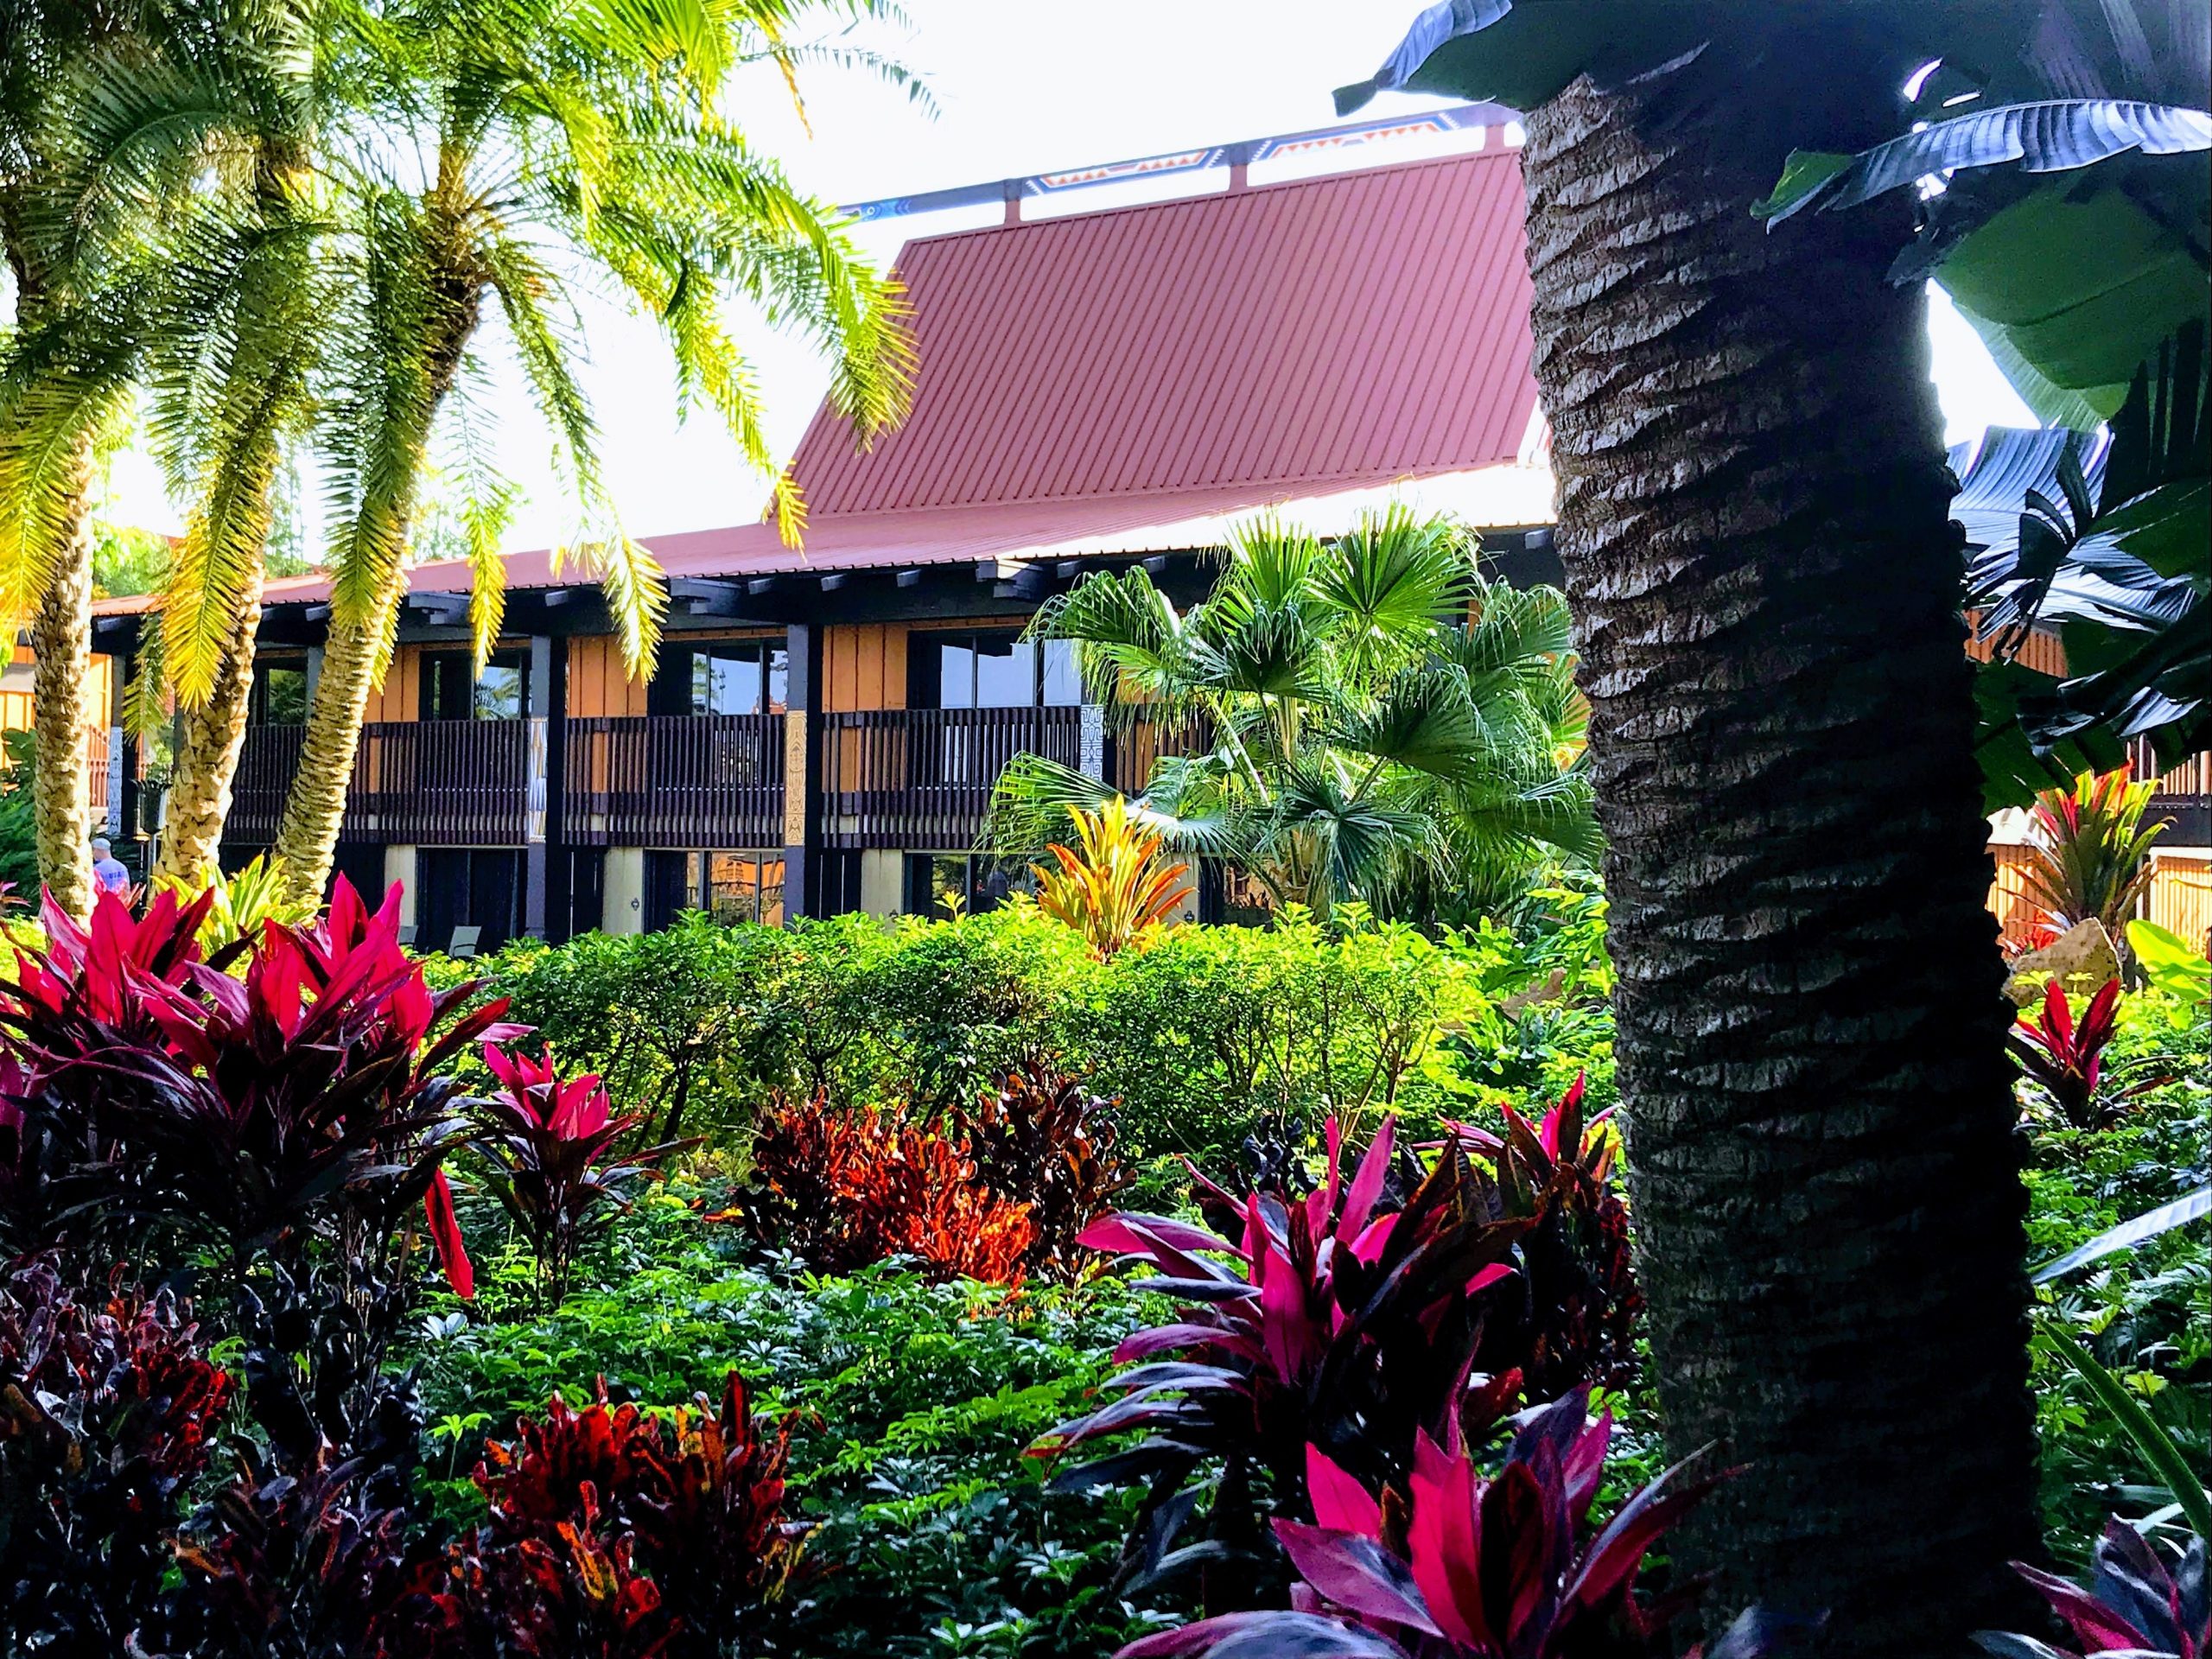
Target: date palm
<point>523,147</point>
<point>1375,721</point>
<point>179,195</point>
<point>1754,523</point>
<point>45,544</point>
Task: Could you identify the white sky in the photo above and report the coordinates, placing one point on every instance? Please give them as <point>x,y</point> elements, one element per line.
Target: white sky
<point>1022,86</point>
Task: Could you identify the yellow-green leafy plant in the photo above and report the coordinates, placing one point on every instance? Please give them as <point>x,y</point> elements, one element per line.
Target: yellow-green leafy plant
<point>243,901</point>
<point>1116,886</point>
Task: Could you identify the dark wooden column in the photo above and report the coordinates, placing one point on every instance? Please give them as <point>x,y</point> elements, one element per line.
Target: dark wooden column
<point>802,814</point>
<point>545,872</point>
<point>122,764</point>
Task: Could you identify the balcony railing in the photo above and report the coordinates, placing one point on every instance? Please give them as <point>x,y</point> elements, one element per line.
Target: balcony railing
<point>452,783</point>
<point>436,782</point>
<point>2181,798</point>
<point>266,765</point>
<point>676,780</point>
<point>921,778</point>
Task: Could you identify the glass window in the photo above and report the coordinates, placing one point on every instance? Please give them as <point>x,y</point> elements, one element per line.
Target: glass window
<point>987,670</point>
<point>279,696</point>
<point>1005,673</point>
<point>501,693</point>
<point>955,675</point>
<point>779,676</point>
<point>726,680</point>
<point>744,888</point>
<point>1062,683</point>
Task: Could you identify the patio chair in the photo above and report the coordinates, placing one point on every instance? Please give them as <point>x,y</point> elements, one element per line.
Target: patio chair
<point>407,934</point>
<point>464,942</point>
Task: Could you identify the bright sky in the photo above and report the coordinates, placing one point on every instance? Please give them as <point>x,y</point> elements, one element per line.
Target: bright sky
<point>1021,86</point>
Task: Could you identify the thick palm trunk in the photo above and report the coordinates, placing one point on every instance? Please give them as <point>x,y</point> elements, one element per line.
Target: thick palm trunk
<point>306,835</point>
<point>209,739</point>
<point>62,640</point>
<point>1753,521</point>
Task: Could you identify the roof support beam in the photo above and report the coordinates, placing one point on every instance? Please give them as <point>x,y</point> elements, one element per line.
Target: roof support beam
<point>704,597</point>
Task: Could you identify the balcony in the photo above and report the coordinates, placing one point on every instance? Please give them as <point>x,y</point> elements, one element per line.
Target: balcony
<point>433,782</point>
<point>921,778</point>
<point>675,780</point>
<point>2182,797</point>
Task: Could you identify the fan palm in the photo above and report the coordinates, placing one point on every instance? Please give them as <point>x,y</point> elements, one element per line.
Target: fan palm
<point>1377,721</point>
<point>523,147</point>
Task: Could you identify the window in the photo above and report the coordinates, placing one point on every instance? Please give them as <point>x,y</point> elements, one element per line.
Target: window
<point>719,677</point>
<point>279,695</point>
<point>501,692</point>
<point>936,881</point>
<point>996,670</point>
<point>730,886</point>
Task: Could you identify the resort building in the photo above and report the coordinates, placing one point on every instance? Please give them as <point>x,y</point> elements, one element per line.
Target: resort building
<point>826,722</point>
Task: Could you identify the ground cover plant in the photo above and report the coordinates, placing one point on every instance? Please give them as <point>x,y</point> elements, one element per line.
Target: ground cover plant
<point>463,1358</point>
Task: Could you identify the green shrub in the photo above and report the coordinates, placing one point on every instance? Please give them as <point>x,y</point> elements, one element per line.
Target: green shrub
<point>932,1533</point>
<point>1209,1035</point>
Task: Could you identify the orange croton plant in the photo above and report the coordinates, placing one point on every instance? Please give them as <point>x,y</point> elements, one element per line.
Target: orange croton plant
<point>1117,885</point>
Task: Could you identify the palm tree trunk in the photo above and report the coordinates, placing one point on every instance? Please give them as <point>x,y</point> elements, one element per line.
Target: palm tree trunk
<point>62,640</point>
<point>209,739</point>
<point>306,835</point>
<point>1753,519</point>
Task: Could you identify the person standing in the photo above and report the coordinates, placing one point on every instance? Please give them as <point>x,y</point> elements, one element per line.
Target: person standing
<point>110,875</point>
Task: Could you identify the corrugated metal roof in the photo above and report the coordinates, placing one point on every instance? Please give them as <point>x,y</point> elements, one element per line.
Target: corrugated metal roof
<point>1108,381</point>
<point>1350,329</point>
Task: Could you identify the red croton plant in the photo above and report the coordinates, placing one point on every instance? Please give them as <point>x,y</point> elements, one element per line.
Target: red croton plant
<point>614,1532</point>
<point>843,1187</point>
<point>547,1148</point>
<point>300,1101</point>
<point>1447,1564</point>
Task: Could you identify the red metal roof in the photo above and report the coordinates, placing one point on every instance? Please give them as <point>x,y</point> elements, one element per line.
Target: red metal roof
<point>1356,328</point>
<point>1090,376</point>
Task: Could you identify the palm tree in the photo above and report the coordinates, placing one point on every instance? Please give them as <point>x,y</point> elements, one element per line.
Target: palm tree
<point>1379,724</point>
<point>205,141</point>
<point>1754,522</point>
<point>45,544</point>
<point>522,146</point>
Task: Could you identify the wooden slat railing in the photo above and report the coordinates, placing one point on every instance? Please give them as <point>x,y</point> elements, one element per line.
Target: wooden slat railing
<point>675,780</point>
<point>266,765</point>
<point>451,782</point>
<point>921,778</point>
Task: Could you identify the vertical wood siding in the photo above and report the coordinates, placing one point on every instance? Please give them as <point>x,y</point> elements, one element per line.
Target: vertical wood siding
<point>400,695</point>
<point>864,666</point>
<point>2181,895</point>
<point>598,685</point>
<point>2018,915</point>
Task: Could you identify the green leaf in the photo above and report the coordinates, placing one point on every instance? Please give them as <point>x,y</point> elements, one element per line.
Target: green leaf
<point>2174,967</point>
<point>2157,1447</point>
<point>2190,1206</point>
<point>2013,770</point>
<point>1803,176</point>
<point>2085,284</point>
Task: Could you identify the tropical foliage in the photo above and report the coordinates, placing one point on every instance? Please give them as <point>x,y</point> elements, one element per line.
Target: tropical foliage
<point>1116,887</point>
<point>2091,855</point>
<point>2064,1057</point>
<point>1422,1577</point>
<point>846,1188</point>
<point>545,1146</point>
<point>2137,1603</point>
<point>1373,720</point>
